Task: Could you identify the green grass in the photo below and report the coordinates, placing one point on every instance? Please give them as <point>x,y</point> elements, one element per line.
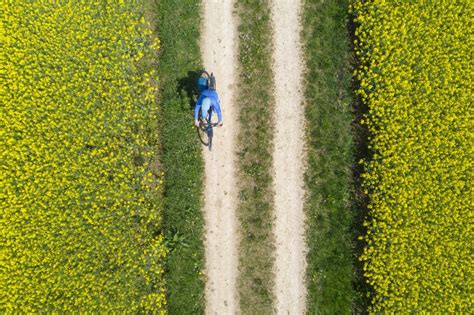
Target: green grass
<point>255,282</point>
<point>329,209</point>
<point>178,24</point>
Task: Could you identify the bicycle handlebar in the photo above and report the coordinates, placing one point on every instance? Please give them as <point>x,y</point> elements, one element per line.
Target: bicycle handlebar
<point>212,124</point>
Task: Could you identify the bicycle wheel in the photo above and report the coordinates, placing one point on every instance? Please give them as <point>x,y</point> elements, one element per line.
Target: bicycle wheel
<point>210,128</point>
<point>210,135</point>
<point>205,130</point>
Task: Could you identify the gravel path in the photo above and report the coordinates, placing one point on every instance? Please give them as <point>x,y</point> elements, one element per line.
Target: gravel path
<point>290,290</point>
<point>218,48</point>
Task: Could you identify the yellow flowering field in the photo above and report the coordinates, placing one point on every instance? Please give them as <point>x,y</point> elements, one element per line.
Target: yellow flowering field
<point>415,77</point>
<point>80,203</point>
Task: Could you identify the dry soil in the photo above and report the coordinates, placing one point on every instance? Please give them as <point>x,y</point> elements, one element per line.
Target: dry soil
<point>218,48</point>
<point>288,157</point>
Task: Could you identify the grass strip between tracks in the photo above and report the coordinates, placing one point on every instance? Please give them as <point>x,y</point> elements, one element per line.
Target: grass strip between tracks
<point>178,29</point>
<point>255,100</point>
<point>330,146</point>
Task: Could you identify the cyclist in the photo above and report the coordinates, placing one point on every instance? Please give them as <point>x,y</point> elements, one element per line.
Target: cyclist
<point>206,101</point>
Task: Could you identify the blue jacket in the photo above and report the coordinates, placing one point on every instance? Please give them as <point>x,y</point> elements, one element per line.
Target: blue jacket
<point>215,103</point>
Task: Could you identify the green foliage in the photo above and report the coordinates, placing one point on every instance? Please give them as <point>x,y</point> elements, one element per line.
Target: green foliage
<point>178,27</point>
<point>330,157</point>
<point>255,158</point>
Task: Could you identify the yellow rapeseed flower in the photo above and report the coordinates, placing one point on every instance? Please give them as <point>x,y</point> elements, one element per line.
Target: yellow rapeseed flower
<point>415,78</point>
<point>80,212</point>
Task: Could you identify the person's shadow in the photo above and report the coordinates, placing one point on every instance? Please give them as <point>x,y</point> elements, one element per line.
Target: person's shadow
<point>189,86</point>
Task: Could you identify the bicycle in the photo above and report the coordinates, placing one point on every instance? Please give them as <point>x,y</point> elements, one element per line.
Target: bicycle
<point>206,125</point>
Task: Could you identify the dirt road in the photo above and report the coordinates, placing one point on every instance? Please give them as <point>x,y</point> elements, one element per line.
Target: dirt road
<point>288,157</point>
<point>218,49</point>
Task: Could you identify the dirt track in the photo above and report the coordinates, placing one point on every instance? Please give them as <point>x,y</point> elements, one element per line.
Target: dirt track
<point>288,157</point>
<point>218,49</point>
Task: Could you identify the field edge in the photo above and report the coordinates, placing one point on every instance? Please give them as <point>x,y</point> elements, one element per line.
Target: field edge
<point>181,157</point>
